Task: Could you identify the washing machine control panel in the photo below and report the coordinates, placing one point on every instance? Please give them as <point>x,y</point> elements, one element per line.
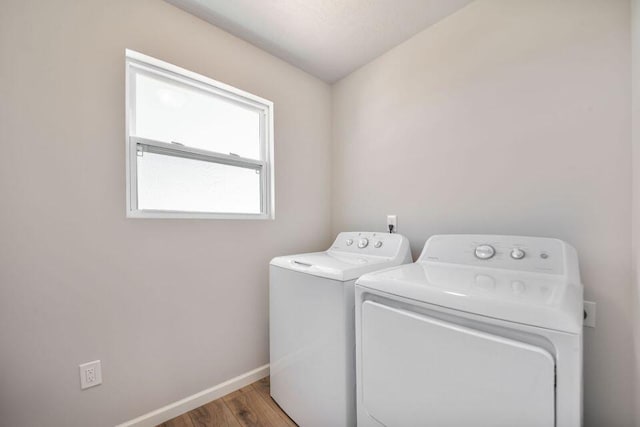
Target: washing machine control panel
<point>369,243</point>
<point>532,254</point>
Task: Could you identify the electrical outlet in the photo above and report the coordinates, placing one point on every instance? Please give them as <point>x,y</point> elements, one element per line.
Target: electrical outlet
<point>589,319</point>
<point>90,374</point>
<point>392,220</point>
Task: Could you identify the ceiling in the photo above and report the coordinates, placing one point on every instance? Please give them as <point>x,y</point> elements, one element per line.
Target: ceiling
<point>327,38</point>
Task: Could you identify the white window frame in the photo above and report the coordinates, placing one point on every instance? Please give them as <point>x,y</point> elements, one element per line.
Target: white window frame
<point>139,63</point>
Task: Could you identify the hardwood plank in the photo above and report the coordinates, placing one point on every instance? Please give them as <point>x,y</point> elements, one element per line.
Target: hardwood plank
<point>263,388</point>
<point>213,414</point>
<point>251,410</point>
<point>180,421</point>
<point>251,406</point>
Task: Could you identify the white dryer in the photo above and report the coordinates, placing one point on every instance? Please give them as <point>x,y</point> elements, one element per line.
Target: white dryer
<point>311,325</point>
<point>481,331</point>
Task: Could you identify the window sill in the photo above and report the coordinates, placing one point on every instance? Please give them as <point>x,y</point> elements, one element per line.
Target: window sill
<point>195,215</point>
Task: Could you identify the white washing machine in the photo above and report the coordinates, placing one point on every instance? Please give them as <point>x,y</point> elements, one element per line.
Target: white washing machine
<point>482,331</point>
<point>311,313</point>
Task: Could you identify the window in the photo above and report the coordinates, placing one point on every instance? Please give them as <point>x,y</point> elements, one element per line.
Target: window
<point>196,148</point>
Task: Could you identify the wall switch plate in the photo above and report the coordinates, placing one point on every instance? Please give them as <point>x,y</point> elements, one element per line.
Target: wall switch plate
<point>90,374</point>
<point>392,220</point>
<point>589,314</point>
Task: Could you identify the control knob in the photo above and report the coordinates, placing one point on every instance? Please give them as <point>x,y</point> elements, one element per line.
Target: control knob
<point>362,243</point>
<point>517,253</point>
<point>485,252</point>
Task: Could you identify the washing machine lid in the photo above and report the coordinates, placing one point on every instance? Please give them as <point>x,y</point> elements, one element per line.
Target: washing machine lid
<point>549,297</point>
<point>350,256</point>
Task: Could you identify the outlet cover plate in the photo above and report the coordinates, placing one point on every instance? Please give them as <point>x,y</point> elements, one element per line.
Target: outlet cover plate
<point>392,220</point>
<point>90,374</point>
<point>589,314</point>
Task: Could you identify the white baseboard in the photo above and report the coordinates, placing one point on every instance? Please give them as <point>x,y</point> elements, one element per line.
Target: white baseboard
<point>174,409</point>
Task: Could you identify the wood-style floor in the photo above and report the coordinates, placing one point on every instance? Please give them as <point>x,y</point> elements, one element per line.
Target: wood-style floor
<point>251,406</point>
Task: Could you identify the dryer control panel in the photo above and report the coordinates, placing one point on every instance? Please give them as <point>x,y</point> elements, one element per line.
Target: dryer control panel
<point>532,254</point>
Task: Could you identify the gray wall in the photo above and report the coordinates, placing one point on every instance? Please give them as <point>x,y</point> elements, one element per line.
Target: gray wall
<point>171,307</point>
<point>507,117</point>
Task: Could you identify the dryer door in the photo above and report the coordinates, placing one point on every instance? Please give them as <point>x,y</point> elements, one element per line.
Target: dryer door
<point>419,371</point>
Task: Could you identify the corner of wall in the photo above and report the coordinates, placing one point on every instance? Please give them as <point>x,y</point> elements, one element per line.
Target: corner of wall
<point>635,147</point>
